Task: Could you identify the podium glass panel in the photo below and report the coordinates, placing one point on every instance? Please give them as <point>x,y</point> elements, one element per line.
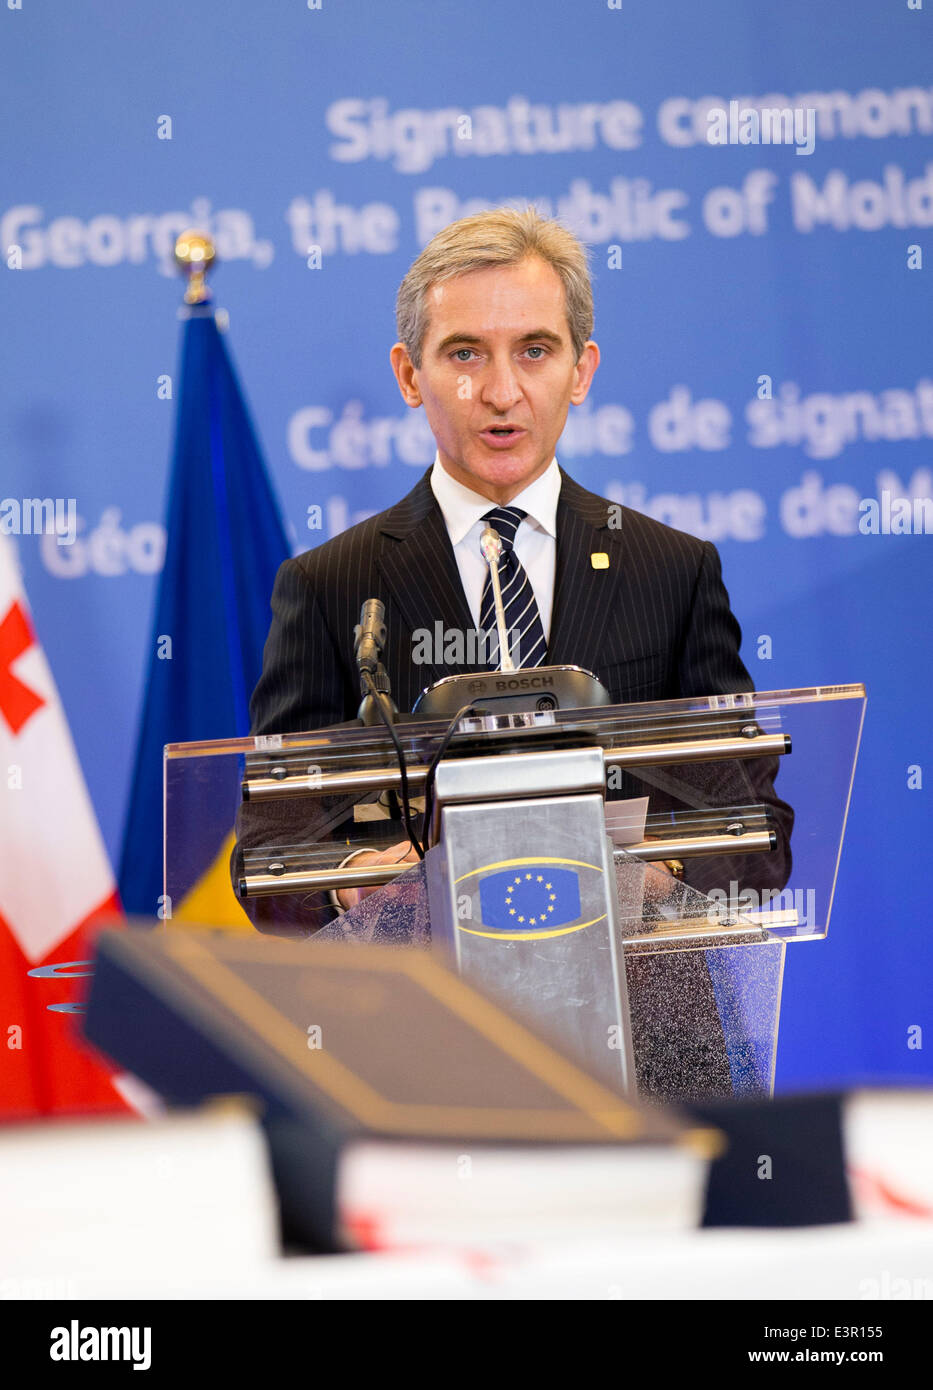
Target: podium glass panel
<point>746,795</point>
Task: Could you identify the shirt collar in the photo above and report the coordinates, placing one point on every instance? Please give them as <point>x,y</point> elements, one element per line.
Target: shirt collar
<point>462,508</point>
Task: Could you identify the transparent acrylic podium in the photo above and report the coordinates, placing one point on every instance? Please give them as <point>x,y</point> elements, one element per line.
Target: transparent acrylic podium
<point>653,947</point>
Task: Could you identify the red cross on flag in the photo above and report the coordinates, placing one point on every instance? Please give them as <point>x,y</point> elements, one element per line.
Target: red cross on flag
<point>56,883</point>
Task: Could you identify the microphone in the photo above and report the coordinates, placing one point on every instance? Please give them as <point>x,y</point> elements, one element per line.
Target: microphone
<point>369,639</point>
<point>490,543</point>
<point>370,635</point>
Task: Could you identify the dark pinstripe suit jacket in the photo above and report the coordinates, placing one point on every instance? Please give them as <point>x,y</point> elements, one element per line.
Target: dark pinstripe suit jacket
<point>655,625</point>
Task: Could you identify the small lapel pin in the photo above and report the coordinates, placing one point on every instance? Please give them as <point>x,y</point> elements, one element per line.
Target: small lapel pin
<point>599,560</point>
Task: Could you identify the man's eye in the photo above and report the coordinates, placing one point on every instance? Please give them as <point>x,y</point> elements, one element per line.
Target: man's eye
<point>537,349</point>
<point>463,354</point>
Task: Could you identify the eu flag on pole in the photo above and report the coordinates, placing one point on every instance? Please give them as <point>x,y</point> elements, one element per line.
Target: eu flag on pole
<point>225,544</point>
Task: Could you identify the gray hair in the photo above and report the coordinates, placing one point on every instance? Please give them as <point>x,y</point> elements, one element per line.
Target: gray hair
<point>501,236</point>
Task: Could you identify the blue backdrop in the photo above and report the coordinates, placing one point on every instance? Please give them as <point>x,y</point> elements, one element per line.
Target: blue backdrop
<point>722,272</point>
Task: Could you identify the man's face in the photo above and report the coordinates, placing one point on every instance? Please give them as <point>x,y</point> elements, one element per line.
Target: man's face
<point>497,374</point>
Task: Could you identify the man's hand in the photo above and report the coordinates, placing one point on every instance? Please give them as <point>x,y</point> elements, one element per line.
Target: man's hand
<point>402,853</point>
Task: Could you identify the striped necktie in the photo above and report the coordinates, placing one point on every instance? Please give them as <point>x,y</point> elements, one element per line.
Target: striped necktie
<point>522,619</point>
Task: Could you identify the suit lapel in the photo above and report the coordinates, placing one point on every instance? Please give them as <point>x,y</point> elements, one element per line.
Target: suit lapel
<point>419,567</point>
<point>585,598</point>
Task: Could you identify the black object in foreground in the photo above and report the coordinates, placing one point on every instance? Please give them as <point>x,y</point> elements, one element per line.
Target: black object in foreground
<point>783,1164</point>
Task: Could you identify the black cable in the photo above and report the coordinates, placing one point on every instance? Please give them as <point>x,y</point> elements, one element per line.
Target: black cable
<point>432,768</point>
<point>402,766</point>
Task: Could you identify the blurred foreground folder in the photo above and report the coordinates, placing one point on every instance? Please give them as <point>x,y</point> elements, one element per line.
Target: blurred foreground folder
<point>400,1103</point>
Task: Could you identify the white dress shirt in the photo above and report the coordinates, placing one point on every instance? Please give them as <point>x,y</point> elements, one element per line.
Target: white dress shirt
<point>535,539</point>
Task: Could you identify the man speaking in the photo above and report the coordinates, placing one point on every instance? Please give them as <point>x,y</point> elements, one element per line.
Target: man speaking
<point>494,321</point>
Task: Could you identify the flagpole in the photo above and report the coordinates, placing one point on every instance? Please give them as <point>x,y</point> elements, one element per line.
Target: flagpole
<point>225,544</point>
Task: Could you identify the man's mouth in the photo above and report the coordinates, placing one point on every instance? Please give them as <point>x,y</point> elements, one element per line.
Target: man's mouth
<point>500,435</point>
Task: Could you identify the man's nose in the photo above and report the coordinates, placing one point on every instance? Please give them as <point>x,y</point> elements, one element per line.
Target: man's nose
<point>501,389</point>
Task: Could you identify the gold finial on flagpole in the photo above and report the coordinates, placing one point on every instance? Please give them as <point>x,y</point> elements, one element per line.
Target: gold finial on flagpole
<point>194,256</point>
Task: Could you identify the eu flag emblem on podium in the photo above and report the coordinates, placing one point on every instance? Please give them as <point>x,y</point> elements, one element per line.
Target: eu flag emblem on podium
<point>530,899</point>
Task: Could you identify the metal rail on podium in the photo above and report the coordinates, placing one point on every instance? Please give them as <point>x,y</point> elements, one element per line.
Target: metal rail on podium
<point>626,877</point>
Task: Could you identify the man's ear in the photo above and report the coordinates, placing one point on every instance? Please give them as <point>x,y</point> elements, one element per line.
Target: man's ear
<point>406,374</point>
<point>584,372</point>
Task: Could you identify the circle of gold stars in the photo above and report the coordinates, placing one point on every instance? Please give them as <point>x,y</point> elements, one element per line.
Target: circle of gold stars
<point>542,916</point>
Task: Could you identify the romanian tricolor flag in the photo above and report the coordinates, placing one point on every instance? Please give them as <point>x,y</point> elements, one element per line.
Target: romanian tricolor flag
<point>225,544</point>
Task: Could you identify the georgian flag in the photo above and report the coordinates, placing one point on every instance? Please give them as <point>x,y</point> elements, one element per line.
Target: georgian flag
<point>56,883</point>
